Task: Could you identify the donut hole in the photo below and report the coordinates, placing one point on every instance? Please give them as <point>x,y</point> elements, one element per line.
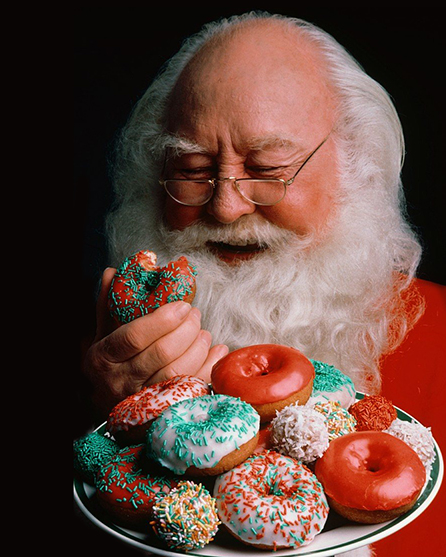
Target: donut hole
<point>259,367</point>
<point>199,418</point>
<point>373,466</point>
<point>151,279</point>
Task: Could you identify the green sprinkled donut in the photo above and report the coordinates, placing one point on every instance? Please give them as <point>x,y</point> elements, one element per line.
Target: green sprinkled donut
<point>90,452</point>
<point>204,435</point>
<point>333,384</point>
<point>127,486</point>
<point>140,287</point>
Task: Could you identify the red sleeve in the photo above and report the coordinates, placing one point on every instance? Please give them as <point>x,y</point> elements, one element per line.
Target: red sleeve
<point>414,378</point>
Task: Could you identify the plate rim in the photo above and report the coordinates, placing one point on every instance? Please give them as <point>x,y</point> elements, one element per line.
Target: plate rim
<point>385,530</point>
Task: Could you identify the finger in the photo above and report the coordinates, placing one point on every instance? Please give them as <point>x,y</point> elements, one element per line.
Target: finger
<point>134,337</point>
<point>187,363</point>
<point>216,353</point>
<point>168,348</point>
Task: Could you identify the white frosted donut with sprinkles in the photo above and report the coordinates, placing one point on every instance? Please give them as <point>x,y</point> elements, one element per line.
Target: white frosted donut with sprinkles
<point>333,384</point>
<point>130,419</point>
<point>204,436</point>
<point>271,501</point>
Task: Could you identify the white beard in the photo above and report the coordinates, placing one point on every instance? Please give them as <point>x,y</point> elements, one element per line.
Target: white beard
<point>323,297</point>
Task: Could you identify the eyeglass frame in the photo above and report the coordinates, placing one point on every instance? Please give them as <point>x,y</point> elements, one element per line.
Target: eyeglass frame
<point>213,182</point>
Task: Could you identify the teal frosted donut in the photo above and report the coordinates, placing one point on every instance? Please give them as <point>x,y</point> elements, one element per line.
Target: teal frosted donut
<point>333,384</point>
<point>90,452</point>
<point>204,436</point>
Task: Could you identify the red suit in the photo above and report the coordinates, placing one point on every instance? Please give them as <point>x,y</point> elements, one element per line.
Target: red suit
<point>414,378</point>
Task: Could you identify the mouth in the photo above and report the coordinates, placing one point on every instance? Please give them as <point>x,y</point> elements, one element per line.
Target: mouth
<point>234,253</point>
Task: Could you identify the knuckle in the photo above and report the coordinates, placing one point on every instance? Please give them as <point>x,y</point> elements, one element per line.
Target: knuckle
<point>162,353</point>
<point>96,364</point>
<point>169,372</point>
<point>134,338</point>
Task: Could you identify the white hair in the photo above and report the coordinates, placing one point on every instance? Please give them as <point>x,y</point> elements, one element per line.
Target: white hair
<point>359,311</point>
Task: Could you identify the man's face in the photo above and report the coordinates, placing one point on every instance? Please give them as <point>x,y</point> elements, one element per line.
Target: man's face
<point>255,108</point>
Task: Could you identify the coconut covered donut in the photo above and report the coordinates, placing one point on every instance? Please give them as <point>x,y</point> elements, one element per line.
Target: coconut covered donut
<point>131,418</point>
<point>299,432</point>
<point>140,287</point>
<point>418,437</point>
<point>271,501</point>
<point>267,376</point>
<point>204,436</point>
<point>370,476</point>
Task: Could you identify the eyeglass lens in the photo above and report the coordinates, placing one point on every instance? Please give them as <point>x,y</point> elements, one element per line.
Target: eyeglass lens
<point>262,192</point>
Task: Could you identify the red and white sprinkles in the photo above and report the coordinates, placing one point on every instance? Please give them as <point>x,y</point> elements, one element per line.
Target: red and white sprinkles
<point>148,403</point>
<point>271,501</point>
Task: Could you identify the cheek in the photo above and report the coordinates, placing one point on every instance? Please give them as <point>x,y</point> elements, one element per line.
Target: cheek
<point>179,216</point>
<point>306,208</point>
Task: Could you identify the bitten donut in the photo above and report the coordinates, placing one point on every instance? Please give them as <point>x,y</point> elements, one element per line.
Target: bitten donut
<point>140,287</point>
<point>130,419</point>
<point>126,487</point>
<point>370,476</point>
<point>267,376</point>
<point>271,501</point>
<point>204,436</point>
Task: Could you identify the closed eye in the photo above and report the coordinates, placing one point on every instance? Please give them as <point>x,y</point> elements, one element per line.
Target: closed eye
<point>205,173</point>
<point>266,171</point>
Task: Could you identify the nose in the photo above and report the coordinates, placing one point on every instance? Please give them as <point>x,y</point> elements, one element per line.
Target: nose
<point>227,204</point>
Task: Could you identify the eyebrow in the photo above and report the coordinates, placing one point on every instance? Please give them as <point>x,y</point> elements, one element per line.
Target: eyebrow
<point>273,140</point>
<point>183,146</point>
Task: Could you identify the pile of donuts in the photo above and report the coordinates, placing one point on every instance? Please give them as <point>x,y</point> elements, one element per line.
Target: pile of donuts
<point>267,450</point>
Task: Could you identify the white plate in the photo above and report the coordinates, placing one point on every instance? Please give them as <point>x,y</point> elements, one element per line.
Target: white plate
<point>339,535</point>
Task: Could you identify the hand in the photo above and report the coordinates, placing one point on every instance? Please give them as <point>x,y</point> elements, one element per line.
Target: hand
<point>152,348</point>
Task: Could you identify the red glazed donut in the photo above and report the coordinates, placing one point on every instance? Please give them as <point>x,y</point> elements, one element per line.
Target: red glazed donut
<point>130,418</point>
<point>267,376</point>
<point>126,487</point>
<point>370,476</point>
<point>140,287</point>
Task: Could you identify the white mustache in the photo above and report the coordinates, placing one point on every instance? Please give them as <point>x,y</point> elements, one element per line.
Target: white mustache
<point>244,231</point>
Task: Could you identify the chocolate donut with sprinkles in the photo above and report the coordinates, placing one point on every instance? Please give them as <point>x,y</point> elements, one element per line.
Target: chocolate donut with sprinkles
<point>140,287</point>
<point>204,436</point>
<point>127,486</point>
<point>131,418</point>
<point>271,501</point>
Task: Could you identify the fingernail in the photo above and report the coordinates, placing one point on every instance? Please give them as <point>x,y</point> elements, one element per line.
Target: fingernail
<point>223,350</point>
<point>206,337</point>
<point>196,313</point>
<point>182,309</point>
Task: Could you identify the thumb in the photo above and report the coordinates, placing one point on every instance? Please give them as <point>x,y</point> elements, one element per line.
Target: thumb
<point>104,321</point>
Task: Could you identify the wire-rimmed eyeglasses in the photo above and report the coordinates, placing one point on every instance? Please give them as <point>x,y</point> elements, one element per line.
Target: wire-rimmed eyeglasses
<point>265,192</point>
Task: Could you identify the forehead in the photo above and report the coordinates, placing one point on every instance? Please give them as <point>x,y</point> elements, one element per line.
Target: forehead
<point>257,86</point>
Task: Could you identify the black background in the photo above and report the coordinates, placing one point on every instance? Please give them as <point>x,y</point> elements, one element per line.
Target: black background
<point>119,50</point>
